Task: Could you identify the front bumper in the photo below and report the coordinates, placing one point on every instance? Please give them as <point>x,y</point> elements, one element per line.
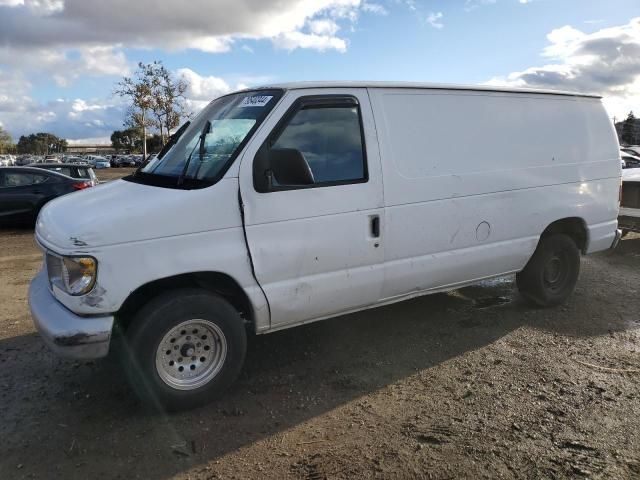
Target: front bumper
<point>67,334</point>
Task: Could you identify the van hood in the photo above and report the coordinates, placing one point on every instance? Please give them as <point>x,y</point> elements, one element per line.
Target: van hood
<point>120,211</point>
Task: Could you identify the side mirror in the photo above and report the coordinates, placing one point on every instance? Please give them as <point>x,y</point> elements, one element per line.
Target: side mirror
<point>288,167</point>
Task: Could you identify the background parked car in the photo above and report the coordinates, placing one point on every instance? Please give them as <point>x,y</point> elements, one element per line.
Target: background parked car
<point>97,161</point>
<point>632,149</point>
<point>74,159</point>
<point>6,161</point>
<point>24,191</point>
<point>630,158</point>
<point>77,170</point>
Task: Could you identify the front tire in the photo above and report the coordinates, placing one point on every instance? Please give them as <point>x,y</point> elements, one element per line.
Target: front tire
<point>184,349</point>
<point>552,272</point>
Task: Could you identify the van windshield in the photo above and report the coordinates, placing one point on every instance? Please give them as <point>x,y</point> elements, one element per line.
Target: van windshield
<point>201,153</point>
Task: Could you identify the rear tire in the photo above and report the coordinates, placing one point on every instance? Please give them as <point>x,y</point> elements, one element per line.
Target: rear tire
<point>551,274</point>
<point>184,349</point>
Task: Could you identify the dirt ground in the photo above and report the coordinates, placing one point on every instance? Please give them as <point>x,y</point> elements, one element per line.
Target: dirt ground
<point>469,384</point>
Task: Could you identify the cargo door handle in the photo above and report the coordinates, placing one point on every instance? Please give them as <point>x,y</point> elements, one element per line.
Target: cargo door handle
<point>375,226</point>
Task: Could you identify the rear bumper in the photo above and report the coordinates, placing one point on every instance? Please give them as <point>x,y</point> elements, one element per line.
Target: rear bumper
<point>602,236</point>
<point>616,240</point>
<point>631,223</point>
<point>64,332</point>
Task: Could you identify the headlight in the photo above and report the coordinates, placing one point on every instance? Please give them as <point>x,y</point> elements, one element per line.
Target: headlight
<point>74,275</point>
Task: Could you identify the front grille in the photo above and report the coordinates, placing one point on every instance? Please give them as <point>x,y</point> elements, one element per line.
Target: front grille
<point>630,195</point>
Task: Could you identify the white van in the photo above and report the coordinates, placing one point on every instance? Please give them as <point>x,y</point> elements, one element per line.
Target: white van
<point>285,205</point>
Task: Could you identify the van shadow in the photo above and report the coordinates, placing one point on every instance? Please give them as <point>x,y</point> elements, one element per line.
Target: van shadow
<point>81,419</point>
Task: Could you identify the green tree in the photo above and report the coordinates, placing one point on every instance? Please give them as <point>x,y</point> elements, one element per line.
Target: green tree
<point>155,143</point>
<point>6,142</point>
<point>629,127</point>
<point>41,144</point>
<point>129,139</point>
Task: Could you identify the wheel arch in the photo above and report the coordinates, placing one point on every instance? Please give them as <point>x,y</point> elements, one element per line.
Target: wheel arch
<point>574,227</point>
<point>219,283</point>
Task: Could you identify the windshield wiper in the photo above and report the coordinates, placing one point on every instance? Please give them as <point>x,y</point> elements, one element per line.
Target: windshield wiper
<point>200,145</point>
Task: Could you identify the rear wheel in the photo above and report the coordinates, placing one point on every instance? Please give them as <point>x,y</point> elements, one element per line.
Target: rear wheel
<point>551,274</point>
<point>184,349</point>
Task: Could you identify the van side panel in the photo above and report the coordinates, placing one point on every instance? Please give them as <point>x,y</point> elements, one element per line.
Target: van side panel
<point>471,180</point>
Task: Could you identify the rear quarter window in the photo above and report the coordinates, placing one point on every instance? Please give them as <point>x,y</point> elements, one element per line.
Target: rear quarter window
<point>82,173</point>
<point>21,179</point>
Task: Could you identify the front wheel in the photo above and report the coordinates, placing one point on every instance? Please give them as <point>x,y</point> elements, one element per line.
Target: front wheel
<point>551,274</point>
<point>184,349</point>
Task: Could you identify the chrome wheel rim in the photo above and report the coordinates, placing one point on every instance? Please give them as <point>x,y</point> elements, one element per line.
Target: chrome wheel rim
<point>191,354</point>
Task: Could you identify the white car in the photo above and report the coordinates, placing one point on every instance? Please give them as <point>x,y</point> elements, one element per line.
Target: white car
<point>629,218</point>
<point>291,204</point>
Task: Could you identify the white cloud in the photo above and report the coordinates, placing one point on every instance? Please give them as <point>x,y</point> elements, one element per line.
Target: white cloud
<point>374,8</point>
<point>91,118</point>
<point>293,40</point>
<point>21,114</point>
<point>323,27</point>
<point>434,18</point>
<point>60,41</point>
<point>470,5</point>
<point>64,67</point>
<point>197,24</point>
<point>204,88</point>
<point>606,62</point>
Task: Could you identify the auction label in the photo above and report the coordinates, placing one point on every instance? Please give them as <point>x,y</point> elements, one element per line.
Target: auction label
<point>256,101</point>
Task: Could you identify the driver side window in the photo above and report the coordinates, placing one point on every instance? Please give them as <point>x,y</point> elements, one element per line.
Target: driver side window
<point>330,139</point>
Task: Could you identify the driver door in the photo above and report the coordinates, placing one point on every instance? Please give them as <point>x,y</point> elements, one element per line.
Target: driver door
<point>317,249</point>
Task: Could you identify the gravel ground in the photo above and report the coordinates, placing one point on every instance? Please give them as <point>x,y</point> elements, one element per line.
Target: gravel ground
<point>468,384</point>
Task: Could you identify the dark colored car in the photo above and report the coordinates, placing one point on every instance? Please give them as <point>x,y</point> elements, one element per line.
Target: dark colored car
<point>24,191</point>
<point>73,170</point>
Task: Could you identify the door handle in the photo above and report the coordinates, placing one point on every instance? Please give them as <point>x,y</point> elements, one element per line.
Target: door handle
<point>375,225</point>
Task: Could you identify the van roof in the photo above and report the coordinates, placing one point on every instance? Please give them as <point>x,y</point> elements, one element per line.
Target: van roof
<point>414,85</point>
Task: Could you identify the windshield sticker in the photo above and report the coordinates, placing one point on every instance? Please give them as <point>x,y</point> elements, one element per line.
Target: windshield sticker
<point>256,101</point>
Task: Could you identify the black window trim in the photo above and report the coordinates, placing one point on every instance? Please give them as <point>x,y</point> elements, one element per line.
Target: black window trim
<point>301,103</point>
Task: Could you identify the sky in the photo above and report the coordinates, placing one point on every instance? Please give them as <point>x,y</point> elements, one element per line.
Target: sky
<point>60,59</point>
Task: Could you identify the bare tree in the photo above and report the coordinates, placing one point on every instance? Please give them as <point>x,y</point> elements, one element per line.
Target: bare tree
<point>139,90</point>
<point>169,99</point>
<point>157,99</point>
